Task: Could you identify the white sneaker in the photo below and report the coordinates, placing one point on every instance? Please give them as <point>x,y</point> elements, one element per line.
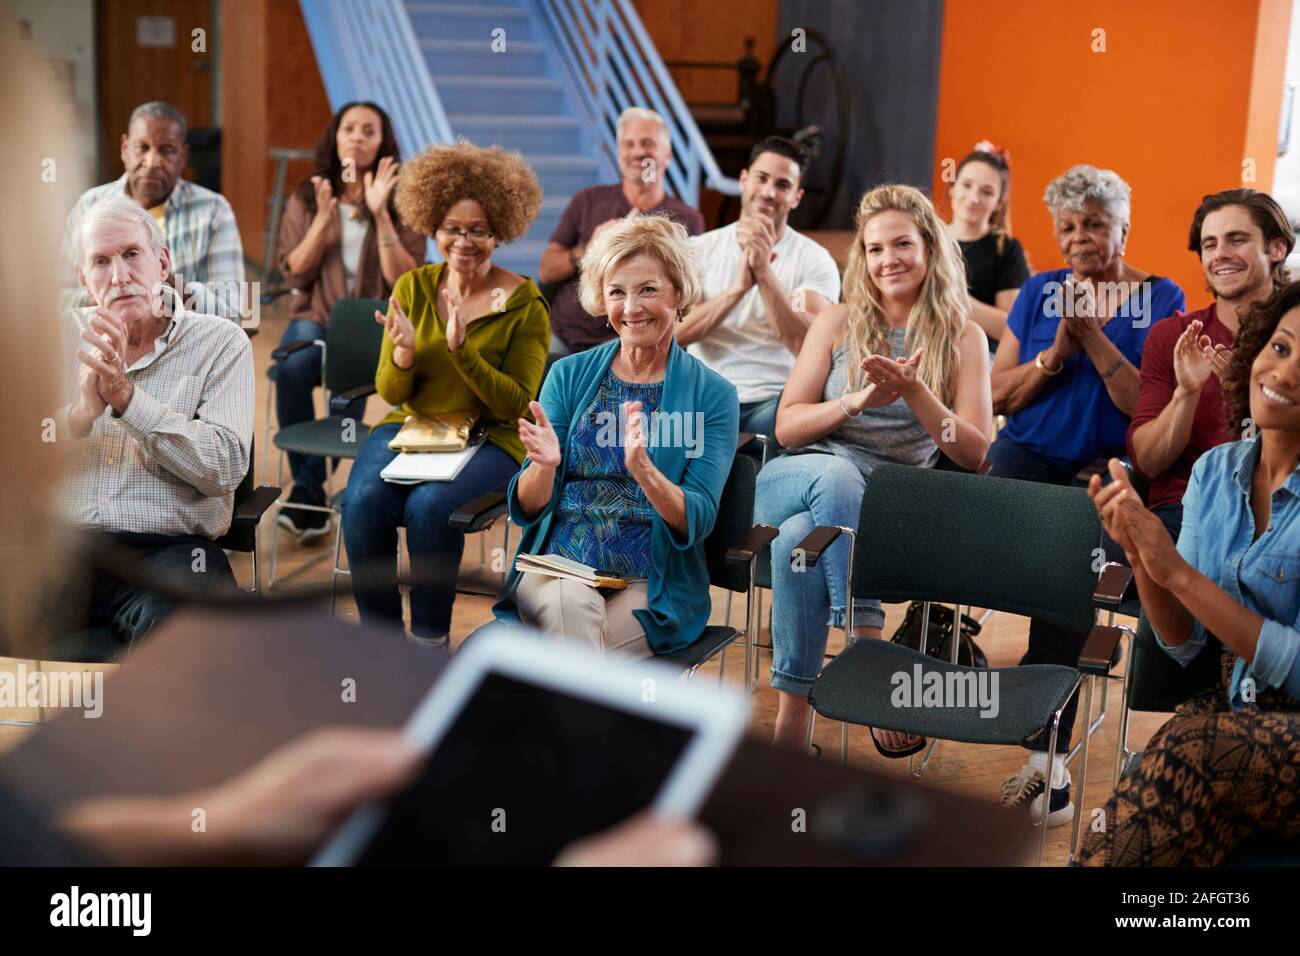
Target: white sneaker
<point>1027,787</point>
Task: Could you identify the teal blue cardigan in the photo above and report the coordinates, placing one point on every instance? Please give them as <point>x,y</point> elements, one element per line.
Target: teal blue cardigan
<point>678,602</point>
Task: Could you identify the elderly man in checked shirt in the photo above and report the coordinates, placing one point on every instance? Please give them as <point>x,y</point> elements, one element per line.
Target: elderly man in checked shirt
<point>161,421</point>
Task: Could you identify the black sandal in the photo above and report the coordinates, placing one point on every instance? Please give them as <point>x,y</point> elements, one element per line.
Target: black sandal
<point>897,754</point>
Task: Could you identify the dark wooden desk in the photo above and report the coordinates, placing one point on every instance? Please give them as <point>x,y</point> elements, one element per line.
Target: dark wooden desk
<point>211,693</point>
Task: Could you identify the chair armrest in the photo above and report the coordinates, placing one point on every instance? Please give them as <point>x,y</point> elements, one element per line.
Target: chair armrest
<point>1099,650</point>
<point>477,514</point>
<point>818,540</point>
<point>252,508</point>
<point>340,401</point>
<point>745,439</point>
<point>759,537</point>
<point>1108,594</point>
<point>284,351</point>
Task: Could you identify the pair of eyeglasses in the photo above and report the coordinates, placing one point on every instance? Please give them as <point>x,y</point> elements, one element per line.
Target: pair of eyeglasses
<point>476,234</point>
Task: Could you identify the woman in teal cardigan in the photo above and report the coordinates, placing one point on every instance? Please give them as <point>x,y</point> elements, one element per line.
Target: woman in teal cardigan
<point>627,457</point>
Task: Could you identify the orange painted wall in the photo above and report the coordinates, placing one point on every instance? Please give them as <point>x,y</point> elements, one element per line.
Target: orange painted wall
<point>1167,106</point>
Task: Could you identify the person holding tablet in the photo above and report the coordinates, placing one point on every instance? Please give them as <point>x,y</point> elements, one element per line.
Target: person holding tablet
<point>627,456</point>
<point>463,335</point>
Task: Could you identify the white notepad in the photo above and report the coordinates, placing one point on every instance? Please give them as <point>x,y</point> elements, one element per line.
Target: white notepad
<point>556,566</point>
<point>412,468</point>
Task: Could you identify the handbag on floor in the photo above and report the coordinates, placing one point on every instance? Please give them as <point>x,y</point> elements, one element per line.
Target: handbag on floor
<point>938,642</point>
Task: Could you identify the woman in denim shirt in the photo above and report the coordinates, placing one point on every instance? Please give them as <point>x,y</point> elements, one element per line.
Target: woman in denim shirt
<point>1214,773</point>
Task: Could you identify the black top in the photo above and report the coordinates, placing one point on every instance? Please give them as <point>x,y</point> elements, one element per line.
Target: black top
<point>988,271</point>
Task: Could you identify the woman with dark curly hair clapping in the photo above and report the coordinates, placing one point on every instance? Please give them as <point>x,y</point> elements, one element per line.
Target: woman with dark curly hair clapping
<point>463,335</point>
<point>1224,766</point>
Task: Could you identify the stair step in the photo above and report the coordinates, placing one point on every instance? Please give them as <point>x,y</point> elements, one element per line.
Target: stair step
<point>475,57</point>
<point>534,95</point>
<point>469,21</point>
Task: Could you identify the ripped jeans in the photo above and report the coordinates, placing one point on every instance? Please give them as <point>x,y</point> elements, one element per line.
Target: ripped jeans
<point>795,494</point>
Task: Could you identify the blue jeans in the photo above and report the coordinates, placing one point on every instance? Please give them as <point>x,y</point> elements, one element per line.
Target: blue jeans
<point>295,378</point>
<point>130,612</point>
<point>795,494</point>
<point>760,417</point>
<point>373,509</point>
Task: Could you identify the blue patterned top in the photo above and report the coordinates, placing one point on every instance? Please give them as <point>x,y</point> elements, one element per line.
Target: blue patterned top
<point>603,518</point>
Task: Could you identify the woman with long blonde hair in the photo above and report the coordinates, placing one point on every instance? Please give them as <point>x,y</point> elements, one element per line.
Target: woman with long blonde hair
<point>892,374</point>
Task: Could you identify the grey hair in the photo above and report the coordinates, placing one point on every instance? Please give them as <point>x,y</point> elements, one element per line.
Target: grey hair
<point>1083,182</point>
<point>641,113</point>
<point>118,209</point>
<point>160,110</point>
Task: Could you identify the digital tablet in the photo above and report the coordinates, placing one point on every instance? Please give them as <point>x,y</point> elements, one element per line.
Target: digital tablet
<point>531,746</point>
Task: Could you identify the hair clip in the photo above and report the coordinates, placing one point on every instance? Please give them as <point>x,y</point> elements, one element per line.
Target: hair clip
<point>986,146</point>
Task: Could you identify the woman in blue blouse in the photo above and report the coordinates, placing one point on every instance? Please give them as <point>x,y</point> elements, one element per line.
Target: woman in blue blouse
<point>627,458</point>
<point>1066,377</point>
<point>1225,765</point>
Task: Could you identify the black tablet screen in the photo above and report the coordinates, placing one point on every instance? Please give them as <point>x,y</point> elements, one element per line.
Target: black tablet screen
<point>523,772</point>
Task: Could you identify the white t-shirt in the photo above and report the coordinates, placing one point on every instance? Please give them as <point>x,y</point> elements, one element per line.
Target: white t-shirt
<point>353,237</point>
<point>744,348</point>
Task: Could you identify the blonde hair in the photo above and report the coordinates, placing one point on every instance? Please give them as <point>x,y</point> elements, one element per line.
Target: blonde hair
<point>32,541</point>
<point>937,317</point>
<point>639,234</point>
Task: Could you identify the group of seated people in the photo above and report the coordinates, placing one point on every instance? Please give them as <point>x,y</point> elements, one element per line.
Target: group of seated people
<point>935,328</point>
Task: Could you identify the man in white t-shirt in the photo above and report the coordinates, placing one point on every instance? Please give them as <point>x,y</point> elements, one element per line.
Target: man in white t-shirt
<point>763,283</point>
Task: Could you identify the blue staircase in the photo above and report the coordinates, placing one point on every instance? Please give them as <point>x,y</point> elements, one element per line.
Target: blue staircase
<point>539,76</point>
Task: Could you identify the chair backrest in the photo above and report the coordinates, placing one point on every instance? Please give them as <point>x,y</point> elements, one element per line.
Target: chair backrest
<point>735,518</point>
<point>1015,546</point>
<point>1157,682</point>
<point>352,344</point>
<point>238,537</point>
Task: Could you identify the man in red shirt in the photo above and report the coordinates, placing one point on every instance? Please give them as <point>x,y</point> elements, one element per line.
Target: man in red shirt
<point>1243,238</point>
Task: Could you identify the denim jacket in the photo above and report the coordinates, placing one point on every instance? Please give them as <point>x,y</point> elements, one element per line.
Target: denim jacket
<point>1263,574</point>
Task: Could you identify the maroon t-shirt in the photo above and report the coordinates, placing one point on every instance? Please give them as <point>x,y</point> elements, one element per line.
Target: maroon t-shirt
<point>1209,425</point>
<point>587,210</point>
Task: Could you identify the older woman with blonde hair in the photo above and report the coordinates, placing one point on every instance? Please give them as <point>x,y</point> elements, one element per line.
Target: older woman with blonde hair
<point>891,374</point>
<point>605,483</point>
<point>462,335</point>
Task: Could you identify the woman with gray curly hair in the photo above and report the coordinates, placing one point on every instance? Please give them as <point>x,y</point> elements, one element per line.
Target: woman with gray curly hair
<point>627,458</point>
<point>462,335</point>
<point>1066,377</point>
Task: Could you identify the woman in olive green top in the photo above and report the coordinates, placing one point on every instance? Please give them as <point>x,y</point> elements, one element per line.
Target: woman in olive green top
<point>460,336</point>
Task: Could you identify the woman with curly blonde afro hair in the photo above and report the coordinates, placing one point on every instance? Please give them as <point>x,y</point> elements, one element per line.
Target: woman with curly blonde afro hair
<point>461,335</point>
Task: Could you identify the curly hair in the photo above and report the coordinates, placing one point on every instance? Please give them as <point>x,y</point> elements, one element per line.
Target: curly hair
<point>442,176</point>
<point>1257,327</point>
<point>640,233</point>
<point>1080,183</point>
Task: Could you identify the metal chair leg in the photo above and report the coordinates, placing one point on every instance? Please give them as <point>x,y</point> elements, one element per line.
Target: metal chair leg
<point>1083,773</point>
<point>275,523</point>
<point>1047,790</point>
<point>722,665</point>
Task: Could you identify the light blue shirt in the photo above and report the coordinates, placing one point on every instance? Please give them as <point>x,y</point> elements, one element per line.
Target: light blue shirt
<point>1263,574</point>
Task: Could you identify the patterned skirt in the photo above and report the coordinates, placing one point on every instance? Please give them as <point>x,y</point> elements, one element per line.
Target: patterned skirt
<point>1209,778</point>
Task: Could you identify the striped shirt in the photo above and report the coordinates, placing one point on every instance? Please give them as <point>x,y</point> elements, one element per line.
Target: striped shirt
<point>171,463</point>
<point>201,235</point>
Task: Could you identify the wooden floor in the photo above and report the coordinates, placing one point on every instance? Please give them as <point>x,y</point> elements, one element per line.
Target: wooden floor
<point>977,771</point>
